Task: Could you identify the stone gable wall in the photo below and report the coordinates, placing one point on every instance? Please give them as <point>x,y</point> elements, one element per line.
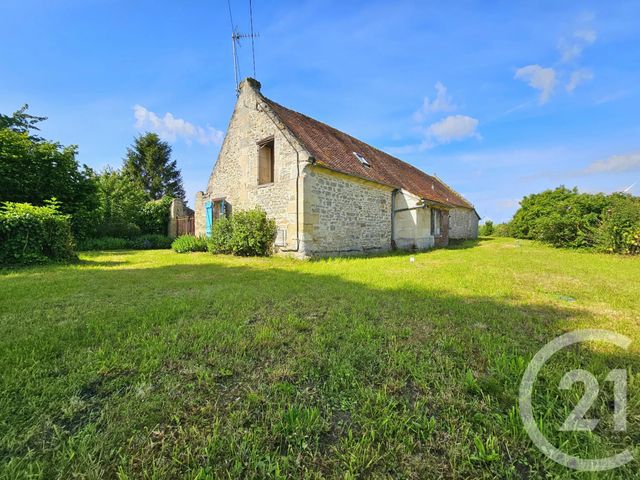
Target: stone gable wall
<point>235,175</point>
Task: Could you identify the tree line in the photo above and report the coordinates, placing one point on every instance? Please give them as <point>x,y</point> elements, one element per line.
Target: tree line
<point>565,217</point>
<point>124,202</point>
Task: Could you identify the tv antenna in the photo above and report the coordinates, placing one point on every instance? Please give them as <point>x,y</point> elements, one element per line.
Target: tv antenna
<point>236,36</point>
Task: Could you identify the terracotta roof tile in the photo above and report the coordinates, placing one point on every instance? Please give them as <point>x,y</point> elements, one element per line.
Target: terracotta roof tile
<point>335,150</point>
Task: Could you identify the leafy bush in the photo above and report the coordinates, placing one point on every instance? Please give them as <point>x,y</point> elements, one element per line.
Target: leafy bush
<point>486,230</point>
<point>121,200</point>
<point>189,243</point>
<point>30,234</point>
<point>620,227</point>
<point>104,243</point>
<point>501,230</point>
<point>560,217</point>
<point>536,206</point>
<point>564,230</point>
<point>118,228</point>
<point>631,241</point>
<point>150,242</point>
<point>220,240</point>
<point>567,218</point>
<point>252,233</point>
<point>245,233</point>
<point>154,217</point>
<point>33,170</point>
<point>141,242</point>
<point>125,210</point>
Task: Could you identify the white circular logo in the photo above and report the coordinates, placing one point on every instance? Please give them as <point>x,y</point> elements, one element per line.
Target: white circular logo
<point>576,421</point>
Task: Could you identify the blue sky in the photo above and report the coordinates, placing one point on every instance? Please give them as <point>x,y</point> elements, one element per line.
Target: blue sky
<point>499,99</point>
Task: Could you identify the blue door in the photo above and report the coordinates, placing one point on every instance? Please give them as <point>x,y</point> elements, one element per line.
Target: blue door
<point>209,215</point>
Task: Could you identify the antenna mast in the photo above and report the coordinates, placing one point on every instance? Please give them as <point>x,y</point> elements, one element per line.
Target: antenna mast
<point>236,36</point>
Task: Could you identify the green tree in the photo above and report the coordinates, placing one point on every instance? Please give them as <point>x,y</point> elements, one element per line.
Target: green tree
<point>486,230</point>
<point>33,170</point>
<point>562,217</point>
<point>149,161</point>
<point>536,206</point>
<point>22,122</point>
<point>619,231</point>
<point>121,202</point>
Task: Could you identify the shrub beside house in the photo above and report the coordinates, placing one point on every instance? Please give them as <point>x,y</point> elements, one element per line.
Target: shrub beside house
<point>245,233</point>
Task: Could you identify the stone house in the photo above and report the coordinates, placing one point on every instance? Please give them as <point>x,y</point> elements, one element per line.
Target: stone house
<point>329,193</point>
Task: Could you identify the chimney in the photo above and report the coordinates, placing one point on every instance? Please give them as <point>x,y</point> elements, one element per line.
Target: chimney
<point>251,83</point>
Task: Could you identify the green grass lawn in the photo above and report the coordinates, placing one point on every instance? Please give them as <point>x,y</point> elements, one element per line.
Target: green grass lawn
<point>154,364</point>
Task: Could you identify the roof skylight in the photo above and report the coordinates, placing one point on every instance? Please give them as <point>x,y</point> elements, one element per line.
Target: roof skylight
<point>362,160</point>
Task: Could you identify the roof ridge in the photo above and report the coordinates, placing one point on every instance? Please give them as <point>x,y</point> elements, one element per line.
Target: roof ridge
<point>351,136</point>
<point>331,145</point>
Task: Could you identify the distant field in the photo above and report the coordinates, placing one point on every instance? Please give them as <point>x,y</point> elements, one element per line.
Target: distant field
<point>154,364</point>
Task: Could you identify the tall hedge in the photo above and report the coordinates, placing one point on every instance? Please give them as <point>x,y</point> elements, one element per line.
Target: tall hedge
<point>30,234</point>
<point>154,217</point>
<point>567,218</point>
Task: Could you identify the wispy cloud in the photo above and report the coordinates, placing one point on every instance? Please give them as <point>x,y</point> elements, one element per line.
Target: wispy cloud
<point>446,130</point>
<point>544,79</point>
<point>612,97</point>
<point>540,78</point>
<point>451,128</point>
<point>570,49</point>
<point>172,128</point>
<point>615,164</point>
<point>578,77</point>
<point>441,103</point>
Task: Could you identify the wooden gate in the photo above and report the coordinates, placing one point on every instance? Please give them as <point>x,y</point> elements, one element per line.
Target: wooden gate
<point>186,225</point>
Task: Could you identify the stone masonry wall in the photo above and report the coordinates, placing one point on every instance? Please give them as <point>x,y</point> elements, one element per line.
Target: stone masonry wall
<point>235,175</point>
<point>344,215</point>
<point>178,209</point>
<point>463,223</point>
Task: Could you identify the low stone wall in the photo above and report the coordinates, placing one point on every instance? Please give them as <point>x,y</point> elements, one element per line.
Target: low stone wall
<point>177,210</point>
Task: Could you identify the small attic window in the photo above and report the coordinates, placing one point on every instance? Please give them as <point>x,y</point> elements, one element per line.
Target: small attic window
<point>361,159</point>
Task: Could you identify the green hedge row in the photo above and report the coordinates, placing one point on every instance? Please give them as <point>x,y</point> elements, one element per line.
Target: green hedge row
<point>141,242</point>
<point>567,218</point>
<point>31,234</point>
